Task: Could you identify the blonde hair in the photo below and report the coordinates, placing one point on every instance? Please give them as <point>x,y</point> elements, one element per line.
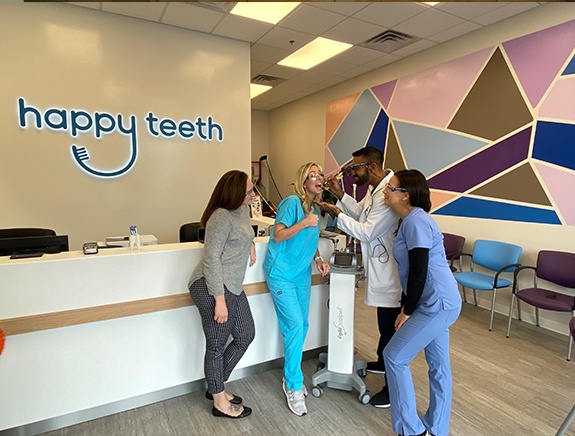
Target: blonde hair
<point>300,178</point>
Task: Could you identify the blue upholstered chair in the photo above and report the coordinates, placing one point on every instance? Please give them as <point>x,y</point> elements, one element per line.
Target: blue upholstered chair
<point>496,258</point>
<point>557,267</point>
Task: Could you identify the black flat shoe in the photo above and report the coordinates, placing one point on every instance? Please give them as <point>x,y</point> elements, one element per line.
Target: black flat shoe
<point>246,412</point>
<point>234,400</point>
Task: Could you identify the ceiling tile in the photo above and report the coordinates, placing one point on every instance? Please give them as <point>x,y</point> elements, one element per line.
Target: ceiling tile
<point>358,55</point>
<point>389,14</point>
<point>257,67</point>
<point>244,29</point>
<point>503,12</point>
<point>468,10</point>
<point>334,67</point>
<point>353,31</point>
<point>384,60</point>
<point>191,17</point>
<point>414,48</point>
<point>454,32</point>
<point>356,71</point>
<point>266,53</point>
<point>89,5</point>
<point>344,8</point>
<point>428,23</point>
<point>281,37</point>
<point>311,20</point>
<point>145,11</point>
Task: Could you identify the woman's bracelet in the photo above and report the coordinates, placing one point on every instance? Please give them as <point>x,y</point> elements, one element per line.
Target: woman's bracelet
<point>318,258</point>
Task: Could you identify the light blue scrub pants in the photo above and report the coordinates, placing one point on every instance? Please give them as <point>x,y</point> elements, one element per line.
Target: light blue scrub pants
<point>291,301</point>
<point>429,332</point>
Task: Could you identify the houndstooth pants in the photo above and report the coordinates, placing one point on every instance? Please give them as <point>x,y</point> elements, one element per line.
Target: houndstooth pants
<point>220,360</point>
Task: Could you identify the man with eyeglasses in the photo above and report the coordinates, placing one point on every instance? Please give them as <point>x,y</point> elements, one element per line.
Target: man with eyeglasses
<point>374,224</point>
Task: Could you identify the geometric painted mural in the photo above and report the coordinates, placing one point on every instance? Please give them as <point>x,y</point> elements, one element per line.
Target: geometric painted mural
<point>493,131</point>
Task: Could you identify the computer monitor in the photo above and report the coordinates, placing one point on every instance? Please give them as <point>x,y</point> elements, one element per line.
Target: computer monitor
<point>30,244</point>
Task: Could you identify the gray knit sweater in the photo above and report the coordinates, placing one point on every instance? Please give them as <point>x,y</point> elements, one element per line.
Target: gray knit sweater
<point>229,235</point>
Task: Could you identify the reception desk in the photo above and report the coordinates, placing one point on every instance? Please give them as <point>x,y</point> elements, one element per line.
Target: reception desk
<point>91,335</point>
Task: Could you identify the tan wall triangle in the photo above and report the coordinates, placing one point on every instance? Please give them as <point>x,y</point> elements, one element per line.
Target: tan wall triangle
<point>393,158</point>
<point>521,184</point>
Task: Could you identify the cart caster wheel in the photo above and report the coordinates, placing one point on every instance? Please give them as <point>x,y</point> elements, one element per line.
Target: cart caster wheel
<point>320,366</point>
<point>317,391</point>
<point>362,372</point>
<point>364,398</point>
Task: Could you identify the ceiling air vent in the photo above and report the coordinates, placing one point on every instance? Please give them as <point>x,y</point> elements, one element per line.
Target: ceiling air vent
<point>389,41</point>
<point>214,6</point>
<point>262,79</point>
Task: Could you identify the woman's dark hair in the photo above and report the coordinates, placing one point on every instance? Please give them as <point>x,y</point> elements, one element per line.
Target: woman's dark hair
<point>417,188</point>
<point>229,193</point>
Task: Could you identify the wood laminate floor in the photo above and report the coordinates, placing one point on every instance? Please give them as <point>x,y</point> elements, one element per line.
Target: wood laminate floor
<point>517,386</point>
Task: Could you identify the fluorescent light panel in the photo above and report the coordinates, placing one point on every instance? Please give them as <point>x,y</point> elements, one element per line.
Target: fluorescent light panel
<point>264,11</point>
<point>314,53</point>
<point>256,89</point>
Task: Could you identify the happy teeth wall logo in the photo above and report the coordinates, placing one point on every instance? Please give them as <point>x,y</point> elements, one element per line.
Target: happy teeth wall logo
<point>99,123</point>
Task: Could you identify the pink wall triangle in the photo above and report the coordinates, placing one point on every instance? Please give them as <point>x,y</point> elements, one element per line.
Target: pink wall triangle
<point>383,92</point>
<point>539,57</point>
<point>559,184</point>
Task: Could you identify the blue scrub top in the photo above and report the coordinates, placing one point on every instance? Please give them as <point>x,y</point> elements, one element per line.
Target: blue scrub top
<point>291,258</point>
<point>419,230</point>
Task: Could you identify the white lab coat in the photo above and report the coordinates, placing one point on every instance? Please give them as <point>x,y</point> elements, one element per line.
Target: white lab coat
<point>374,224</point>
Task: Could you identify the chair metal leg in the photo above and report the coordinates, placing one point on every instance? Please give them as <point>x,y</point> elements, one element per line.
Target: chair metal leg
<point>475,296</point>
<point>492,309</point>
<point>464,294</point>
<point>510,314</point>
<point>570,340</point>
<point>566,423</point>
<point>519,309</point>
<point>537,316</point>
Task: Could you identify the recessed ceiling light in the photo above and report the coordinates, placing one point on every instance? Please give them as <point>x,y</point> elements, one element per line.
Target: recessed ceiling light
<point>431,3</point>
<point>314,53</point>
<point>256,90</point>
<point>264,11</point>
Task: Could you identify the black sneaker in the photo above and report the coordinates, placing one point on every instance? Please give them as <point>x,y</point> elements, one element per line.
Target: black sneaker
<point>376,367</point>
<point>381,399</point>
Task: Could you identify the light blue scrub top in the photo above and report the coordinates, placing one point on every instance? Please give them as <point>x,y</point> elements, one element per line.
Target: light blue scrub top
<point>419,230</point>
<point>291,258</point>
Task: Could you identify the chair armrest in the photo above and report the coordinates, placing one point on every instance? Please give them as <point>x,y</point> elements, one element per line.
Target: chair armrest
<point>516,275</point>
<point>459,256</point>
<point>498,273</point>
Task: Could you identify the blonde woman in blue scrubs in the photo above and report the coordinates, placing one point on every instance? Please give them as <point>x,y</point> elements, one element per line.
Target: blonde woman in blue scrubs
<point>292,248</point>
<point>430,305</point>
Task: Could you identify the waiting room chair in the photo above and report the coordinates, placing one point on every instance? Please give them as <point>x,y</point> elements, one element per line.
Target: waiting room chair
<point>25,232</point>
<point>494,256</point>
<point>557,267</point>
<point>190,232</point>
<point>453,245</point>
<point>571,414</point>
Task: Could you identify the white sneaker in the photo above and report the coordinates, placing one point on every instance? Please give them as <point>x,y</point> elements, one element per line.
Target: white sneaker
<point>295,400</point>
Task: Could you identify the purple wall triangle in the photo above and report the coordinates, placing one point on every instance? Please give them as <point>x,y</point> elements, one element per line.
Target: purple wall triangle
<point>484,165</point>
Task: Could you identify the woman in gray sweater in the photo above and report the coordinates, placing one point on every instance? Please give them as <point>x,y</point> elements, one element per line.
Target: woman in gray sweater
<point>216,287</point>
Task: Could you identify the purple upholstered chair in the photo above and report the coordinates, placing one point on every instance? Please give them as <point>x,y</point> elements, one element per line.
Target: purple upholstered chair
<point>453,245</point>
<point>557,267</point>
<point>571,414</point>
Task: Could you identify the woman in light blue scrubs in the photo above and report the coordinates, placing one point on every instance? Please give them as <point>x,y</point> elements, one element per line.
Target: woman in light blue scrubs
<point>430,305</point>
<point>292,247</point>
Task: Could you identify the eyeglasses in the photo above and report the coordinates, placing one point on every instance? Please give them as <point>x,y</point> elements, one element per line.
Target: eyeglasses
<point>354,167</point>
<point>250,192</point>
<point>315,176</point>
<point>393,188</point>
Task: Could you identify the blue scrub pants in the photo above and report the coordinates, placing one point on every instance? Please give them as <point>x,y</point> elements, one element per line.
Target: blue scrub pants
<point>429,332</point>
<point>291,301</point>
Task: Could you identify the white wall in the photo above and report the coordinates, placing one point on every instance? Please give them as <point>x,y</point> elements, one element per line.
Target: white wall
<point>57,56</point>
<point>298,132</point>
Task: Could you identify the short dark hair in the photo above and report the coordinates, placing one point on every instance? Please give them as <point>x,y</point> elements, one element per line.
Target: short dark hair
<point>372,154</point>
<point>417,188</point>
<point>229,194</point>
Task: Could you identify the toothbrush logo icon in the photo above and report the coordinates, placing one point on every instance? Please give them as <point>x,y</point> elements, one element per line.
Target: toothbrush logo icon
<point>81,157</point>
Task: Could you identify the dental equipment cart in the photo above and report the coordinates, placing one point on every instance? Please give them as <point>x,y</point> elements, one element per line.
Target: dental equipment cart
<point>342,372</point>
